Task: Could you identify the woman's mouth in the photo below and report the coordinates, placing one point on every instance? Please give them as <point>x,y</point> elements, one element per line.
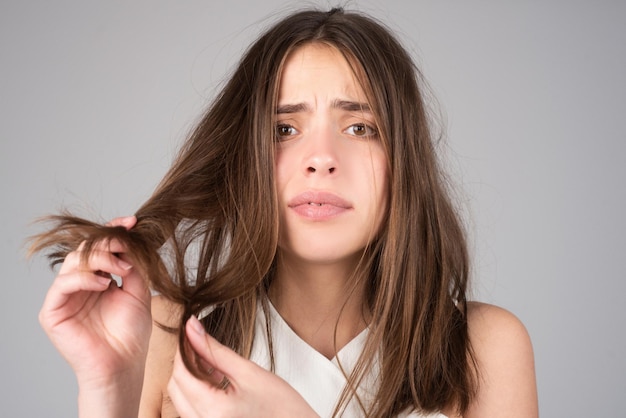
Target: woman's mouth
<point>319,206</point>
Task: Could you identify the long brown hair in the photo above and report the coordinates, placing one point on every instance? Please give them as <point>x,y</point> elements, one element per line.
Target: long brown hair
<point>217,206</point>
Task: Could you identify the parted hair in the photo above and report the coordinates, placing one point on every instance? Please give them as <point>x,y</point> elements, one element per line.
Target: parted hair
<point>208,236</point>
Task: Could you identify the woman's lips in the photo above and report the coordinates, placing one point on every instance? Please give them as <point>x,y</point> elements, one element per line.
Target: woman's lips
<point>319,206</point>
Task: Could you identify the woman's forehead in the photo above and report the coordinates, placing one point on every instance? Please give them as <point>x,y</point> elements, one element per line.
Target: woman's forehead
<point>317,70</point>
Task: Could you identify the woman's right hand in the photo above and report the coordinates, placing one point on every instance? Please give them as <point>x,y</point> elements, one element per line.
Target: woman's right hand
<point>101,329</point>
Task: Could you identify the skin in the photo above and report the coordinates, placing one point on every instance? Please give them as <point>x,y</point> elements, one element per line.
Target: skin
<point>100,329</point>
<point>325,144</point>
<point>506,364</point>
<point>501,343</point>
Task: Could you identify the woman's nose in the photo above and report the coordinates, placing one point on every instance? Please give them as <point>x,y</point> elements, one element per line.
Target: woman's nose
<point>323,157</point>
<point>322,167</point>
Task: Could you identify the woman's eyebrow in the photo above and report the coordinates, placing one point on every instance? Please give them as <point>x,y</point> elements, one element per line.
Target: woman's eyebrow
<point>292,108</point>
<point>347,105</point>
<point>351,106</point>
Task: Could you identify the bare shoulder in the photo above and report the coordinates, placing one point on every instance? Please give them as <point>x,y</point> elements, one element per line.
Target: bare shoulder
<point>489,321</point>
<point>506,370</point>
<point>160,360</point>
<point>165,312</point>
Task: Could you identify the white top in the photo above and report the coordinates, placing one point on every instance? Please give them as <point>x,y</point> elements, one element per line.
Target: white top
<point>319,380</point>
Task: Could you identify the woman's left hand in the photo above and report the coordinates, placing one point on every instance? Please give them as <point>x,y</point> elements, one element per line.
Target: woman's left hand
<point>249,391</point>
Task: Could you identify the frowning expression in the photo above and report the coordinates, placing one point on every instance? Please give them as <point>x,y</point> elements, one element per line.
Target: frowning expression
<point>331,169</point>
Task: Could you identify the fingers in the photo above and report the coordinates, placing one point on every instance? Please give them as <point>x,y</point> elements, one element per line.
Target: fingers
<point>194,397</point>
<point>226,368</point>
<point>219,362</point>
<point>183,405</point>
<point>109,257</point>
<point>64,286</point>
<point>216,355</point>
<point>99,259</point>
<point>183,386</point>
<point>126,221</point>
<point>253,391</point>
<point>112,245</point>
<point>94,275</point>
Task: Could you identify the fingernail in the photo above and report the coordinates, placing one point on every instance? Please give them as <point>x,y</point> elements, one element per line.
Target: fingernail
<point>196,325</point>
<point>123,264</point>
<point>105,281</point>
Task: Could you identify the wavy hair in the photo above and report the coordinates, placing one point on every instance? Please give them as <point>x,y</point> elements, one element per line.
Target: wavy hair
<point>208,236</point>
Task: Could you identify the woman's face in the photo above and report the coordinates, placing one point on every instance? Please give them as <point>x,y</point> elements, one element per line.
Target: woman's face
<point>331,169</point>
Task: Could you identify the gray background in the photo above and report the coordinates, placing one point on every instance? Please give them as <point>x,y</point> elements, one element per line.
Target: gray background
<point>96,96</point>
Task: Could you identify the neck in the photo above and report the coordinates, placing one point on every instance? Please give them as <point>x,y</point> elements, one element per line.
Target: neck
<point>320,302</point>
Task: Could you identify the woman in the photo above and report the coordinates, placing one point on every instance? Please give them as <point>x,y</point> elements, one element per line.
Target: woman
<point>305,221</point>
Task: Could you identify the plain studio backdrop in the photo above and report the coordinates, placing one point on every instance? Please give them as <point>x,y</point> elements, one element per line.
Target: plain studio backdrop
<point>95,97</point>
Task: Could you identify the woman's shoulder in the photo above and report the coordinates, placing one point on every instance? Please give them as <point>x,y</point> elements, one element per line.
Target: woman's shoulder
<point>485,320</point>
<point>495,333</point>
<point>160,360</point>
<point>504,357</point>
<point>165,312</point>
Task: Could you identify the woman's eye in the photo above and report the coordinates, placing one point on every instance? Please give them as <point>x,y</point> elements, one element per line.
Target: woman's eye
<point>284,131</point>
<point>361,129</point>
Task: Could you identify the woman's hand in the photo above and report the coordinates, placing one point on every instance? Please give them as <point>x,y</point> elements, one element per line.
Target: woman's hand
<point>241,389</point>
<point>101,329</point>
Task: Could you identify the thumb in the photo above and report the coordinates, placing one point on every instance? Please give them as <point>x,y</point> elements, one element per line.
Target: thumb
<point>220,361</point>
<point>126,221</point>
